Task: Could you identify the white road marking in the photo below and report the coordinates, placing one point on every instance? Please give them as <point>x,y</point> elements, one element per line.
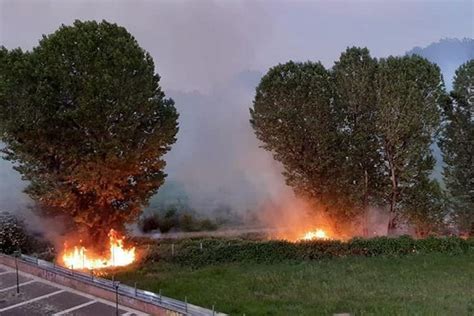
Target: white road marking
<point>6,272</point>
<point>74,308</point>
<point>14,286</point>
<point>31,301</point>
<point>70,290</point>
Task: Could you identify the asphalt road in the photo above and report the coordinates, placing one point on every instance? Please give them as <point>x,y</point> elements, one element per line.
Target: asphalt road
<point>41,297</point>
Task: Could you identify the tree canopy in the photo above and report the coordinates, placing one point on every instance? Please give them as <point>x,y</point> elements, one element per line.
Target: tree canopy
<point>294,117</point>
<point>354,99</point>
<point>85,120</point>
<point>354,136</point>
<point>409,92</point>
<point>457,144</point>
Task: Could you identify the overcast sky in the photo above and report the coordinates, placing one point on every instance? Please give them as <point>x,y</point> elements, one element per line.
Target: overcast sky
<point>196,44</point>
<point>202,45</point>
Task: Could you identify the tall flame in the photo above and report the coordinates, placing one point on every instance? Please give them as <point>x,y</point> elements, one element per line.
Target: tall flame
<point>80,257</point>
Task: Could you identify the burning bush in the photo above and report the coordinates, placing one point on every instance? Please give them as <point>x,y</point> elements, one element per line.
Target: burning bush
<point>118,254</point>
<point>85,120</point>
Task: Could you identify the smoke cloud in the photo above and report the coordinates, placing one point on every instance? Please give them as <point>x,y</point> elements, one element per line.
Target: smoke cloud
<point>211,55</point>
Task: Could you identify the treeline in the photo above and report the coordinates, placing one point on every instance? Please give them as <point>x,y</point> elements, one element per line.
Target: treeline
<point>359,135</point>
<point>173,220</point>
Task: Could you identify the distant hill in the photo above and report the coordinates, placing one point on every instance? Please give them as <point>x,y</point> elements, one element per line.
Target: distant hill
<point>449,54</point>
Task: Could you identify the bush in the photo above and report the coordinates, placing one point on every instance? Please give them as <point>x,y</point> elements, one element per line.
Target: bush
<point>149,223</point>
<point>215,250</point>
<point>13,235</point>
<point>172,220</point>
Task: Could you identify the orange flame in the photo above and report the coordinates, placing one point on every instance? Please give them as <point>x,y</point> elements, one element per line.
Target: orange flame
<point>315,234</point>
<point>81,258</point>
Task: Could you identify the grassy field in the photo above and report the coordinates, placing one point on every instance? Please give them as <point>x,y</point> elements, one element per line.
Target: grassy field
<point>429,284</point>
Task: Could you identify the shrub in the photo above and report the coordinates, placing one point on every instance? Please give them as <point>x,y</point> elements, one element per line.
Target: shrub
<point>149,223</point>
<point>13,235</point>
<point>220,250</point>
<point>172,220</point>
<point>207,225</point>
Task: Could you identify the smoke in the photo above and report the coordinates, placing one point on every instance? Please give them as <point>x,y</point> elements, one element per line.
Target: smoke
<point>12,197</point>
<point>204,50</point>
<point>195,44</point>
<point>13,200</point>
<point>217,161</point>
<point>200,50</point>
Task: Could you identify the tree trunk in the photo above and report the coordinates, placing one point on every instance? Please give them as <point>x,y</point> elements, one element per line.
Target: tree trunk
<point>366,204</point>
<point>393,200</point>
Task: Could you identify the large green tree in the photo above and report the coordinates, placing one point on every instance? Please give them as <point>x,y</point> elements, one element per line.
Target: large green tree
<point>457,144</point>
<point>356,136</point>
<point>85,121</point>
<point>355,100</point>
<point>409,92</point>
<point>293,115</point>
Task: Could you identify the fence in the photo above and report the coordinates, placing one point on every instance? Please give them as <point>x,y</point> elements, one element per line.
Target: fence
<point>125,290</point>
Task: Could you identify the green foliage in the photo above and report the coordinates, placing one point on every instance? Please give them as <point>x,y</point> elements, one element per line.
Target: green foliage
<point>217,251</point>
<point>355,136</point>
<point>425,207</point>
<point>171,219</point>
<point>355,101</point>
<point>457,144</point>
<point>13,234</point>
<point>293,117</point>
<point>409,95</point>
<point>86,122</point>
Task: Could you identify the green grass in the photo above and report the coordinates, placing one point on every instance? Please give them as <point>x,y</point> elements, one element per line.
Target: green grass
<point>429,284</point>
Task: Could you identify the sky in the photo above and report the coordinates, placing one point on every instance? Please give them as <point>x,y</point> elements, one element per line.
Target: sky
<point>197,44</point>
<point>207,53</point>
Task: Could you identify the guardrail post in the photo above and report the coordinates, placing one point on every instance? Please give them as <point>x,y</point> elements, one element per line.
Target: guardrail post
<point>116,298</point>
<point>17,276</point>
<point>172,250</point>
<point>82,276</point>
<point>200,245</point>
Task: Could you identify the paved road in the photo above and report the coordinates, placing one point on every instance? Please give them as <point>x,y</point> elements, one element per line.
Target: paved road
<point>41,297</point>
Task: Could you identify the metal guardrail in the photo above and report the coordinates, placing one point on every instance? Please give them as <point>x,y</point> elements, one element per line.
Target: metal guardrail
<point>150,297</point>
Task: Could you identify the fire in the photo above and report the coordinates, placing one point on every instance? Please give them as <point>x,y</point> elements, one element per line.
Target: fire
<point>81,258</point>
<point>315,234</point>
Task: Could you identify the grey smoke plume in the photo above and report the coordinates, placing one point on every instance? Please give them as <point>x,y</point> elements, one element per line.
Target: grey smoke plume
<point>217,160</point>
<point>11,186</point>
<point>200,50</point>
